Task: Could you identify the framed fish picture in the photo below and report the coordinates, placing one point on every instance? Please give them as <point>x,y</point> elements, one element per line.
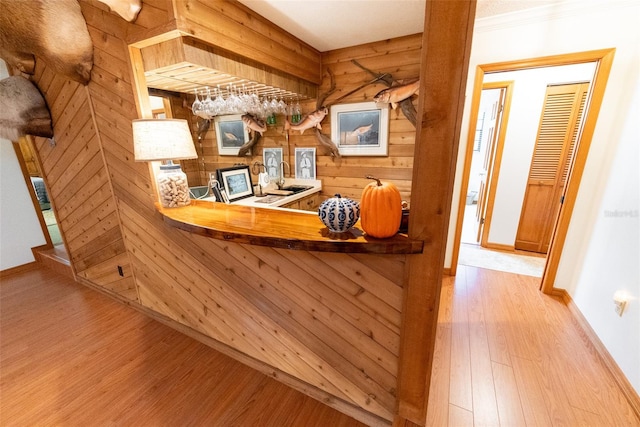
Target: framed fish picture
<point>231,134</point>
<point>360,129</point>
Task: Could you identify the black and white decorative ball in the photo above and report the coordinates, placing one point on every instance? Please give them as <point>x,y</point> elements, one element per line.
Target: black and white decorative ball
<point>339,214</point>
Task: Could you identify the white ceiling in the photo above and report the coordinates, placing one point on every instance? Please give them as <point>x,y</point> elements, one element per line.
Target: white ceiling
<point>334,24</point>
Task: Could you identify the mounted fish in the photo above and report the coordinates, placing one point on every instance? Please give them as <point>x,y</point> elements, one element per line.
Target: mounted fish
<point>312,120</point>
<point>396,94</point>
<point>254,123</point>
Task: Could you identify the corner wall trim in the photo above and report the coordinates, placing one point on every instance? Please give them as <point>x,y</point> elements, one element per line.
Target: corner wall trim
<point>618,376</point>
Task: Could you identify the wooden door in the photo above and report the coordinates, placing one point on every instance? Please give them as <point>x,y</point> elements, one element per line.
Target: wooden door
<point>558,132</point>
<point>495,121</point>
<point>28,157</point>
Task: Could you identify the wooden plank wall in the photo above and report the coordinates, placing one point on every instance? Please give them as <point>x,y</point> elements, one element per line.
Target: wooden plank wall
<point>346,175</point>
<point>236,28</point>
<point>401,58</point>
<point>329,323</point>
<point>76,179</point>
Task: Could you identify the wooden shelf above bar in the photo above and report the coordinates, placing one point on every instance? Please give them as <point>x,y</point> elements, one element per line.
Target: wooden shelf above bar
<point>279,228</point>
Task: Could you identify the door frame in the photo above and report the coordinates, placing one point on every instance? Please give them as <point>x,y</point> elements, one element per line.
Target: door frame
<point>603,59</point>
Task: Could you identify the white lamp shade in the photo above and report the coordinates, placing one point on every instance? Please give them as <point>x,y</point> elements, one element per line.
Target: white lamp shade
<point>162,139</point>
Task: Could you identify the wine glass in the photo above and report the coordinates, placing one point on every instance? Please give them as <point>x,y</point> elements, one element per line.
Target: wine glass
<point>196,107</point>
<point>218,104</point>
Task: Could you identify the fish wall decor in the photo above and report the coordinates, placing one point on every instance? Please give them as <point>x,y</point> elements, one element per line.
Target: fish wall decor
<point>311,120</point>
<point>396,94</point>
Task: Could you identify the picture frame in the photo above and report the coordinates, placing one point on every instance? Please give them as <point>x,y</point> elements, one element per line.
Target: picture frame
<point>236,182</point>
<point>231,134</point>
<point>272,158</point>
<point>305,163</point>
<point>360,129</point>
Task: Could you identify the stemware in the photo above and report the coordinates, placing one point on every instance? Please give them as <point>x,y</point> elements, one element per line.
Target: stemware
<point>218,105</point>
<point>196,107</point>
<point>211,102</point>
<point>282,106</point>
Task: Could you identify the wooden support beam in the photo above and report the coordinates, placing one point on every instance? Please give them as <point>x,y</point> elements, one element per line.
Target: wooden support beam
<point>446,46</point>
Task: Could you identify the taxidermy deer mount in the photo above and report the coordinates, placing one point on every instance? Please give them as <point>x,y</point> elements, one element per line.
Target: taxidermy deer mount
<point>30,29</point>
<point>24,110</point>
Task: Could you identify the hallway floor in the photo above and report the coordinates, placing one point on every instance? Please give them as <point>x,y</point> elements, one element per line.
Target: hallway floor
<point>477,256</point>
<point>505,355</point>
<point>509,355</point>
<point>472,254</point>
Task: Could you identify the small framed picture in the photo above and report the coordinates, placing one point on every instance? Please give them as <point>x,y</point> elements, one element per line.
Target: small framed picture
<point>236,182</point>
<point>306,163</point>
<point>272,158</point>
<point>360,129</point>
<point>231,134</point>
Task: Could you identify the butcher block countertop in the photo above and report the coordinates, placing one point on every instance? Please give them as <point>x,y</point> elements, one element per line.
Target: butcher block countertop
<point>279,228</point>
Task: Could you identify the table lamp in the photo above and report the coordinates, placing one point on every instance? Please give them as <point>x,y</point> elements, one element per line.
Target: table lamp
<point>166,139</point>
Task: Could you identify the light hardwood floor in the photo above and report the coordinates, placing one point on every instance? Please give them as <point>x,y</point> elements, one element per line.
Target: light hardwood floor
<point>508,355</point>
<point>70,356</point>
<point>505,355</point>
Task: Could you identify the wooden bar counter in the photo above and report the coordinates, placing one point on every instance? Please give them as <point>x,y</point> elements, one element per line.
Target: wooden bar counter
<point>279,228</point>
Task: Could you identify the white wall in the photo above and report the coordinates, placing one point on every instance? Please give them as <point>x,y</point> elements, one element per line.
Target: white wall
<point>601,252</point>
<point>19,226</point>
<point>526,106</point>
<point>611,262</point>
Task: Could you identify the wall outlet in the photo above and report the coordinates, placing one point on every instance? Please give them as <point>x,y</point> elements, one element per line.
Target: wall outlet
<point>620,306</point>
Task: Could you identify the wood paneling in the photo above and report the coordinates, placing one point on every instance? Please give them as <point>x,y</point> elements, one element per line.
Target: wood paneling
<point>346,175</point>
<point>269,307</point>
<point>30,162</point>
<point>238,29</point>
<point>184,65</point>
<point>76,178</point>
<point>330,322</point>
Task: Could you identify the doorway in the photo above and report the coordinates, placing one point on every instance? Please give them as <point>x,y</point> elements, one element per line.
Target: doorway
<point>493,114</point>
<point>32,172</point>
<point>488,144</point>
<point>602,60</point>
<point>559,130</point>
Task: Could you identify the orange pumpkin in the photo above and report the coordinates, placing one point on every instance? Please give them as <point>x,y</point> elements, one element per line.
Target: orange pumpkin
<point>380,209</point>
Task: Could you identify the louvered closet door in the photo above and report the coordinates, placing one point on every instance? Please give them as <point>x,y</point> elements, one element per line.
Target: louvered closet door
<point>555,144</point>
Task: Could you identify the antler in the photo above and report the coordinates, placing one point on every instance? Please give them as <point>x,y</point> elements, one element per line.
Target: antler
<point>332,88</point>
<point>245,150</point>
<point>327,142</point>
<point>323,139</point>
